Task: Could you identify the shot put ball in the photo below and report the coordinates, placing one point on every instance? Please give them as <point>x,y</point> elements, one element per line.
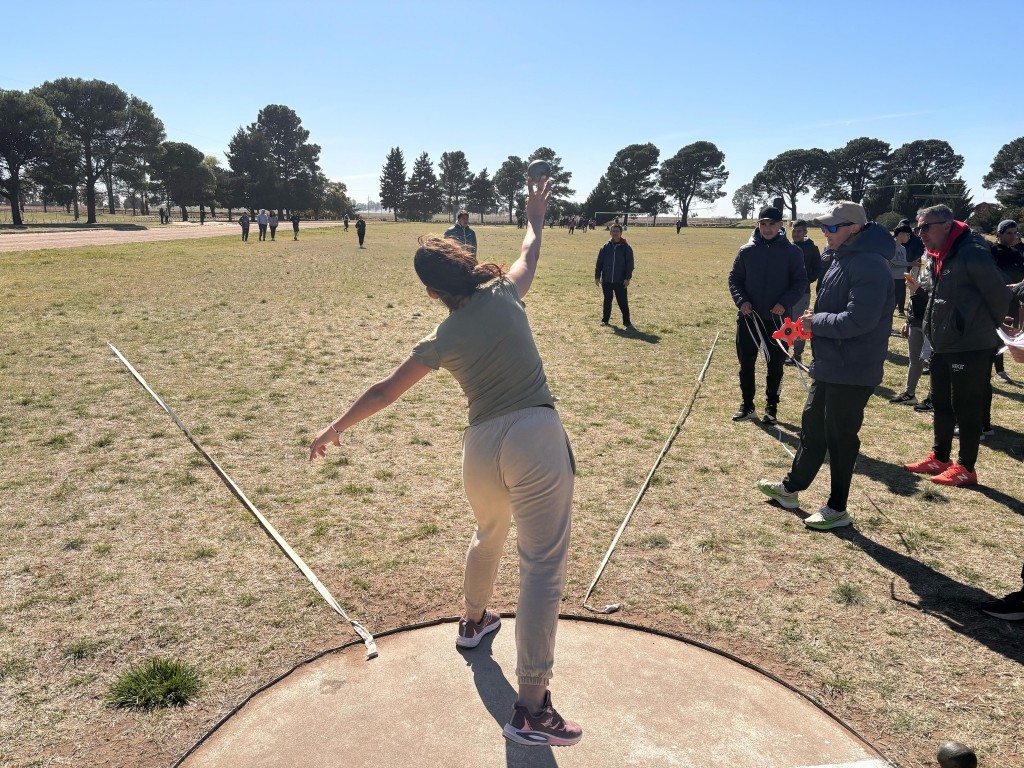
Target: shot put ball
<point>538,168</point>
<point>953,754</point>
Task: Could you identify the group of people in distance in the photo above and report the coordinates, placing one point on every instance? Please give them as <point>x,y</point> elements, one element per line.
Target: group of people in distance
<point>267,220</point>
<point>960,290</point>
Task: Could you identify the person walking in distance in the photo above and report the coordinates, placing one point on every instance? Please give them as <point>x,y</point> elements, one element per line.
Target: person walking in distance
<point>273,224</point>
<point>612,274</point>
<point>517,460</point>
<point>262,220</point>
<point>243,222</point>
<point>295,225</point>
<point>361,229</point>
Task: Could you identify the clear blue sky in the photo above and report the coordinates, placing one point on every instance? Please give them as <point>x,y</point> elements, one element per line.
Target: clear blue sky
<point>586,79</point>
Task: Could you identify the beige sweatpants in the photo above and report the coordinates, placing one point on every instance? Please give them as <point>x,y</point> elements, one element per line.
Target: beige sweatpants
<point>520,466</point>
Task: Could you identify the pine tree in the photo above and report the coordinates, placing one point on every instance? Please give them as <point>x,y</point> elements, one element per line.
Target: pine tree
<point>393,182</point>
<point>423,194</point>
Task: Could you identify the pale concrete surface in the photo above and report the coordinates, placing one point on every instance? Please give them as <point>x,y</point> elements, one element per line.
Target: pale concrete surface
<point>642,699</point>
<point>39,240</point>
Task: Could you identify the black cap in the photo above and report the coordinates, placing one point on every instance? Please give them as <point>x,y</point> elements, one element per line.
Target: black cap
<point>770,212</point>
<point>903,228</point>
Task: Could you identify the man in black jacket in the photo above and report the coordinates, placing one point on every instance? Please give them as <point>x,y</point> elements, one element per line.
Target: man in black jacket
<point>612,274</point>
<point>766,280</point>
<point>966,304</point>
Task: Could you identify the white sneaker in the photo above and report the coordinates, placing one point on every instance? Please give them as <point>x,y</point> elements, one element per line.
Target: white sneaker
<point>778,492</point>
<point>826,519</point>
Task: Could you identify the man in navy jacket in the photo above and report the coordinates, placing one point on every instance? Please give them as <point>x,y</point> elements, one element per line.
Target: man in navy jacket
<point>850,326</point>
<point>613,272</point>
<point>766,281</point>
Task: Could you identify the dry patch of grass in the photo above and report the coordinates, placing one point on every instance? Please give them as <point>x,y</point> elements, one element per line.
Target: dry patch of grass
<point>121,545</point>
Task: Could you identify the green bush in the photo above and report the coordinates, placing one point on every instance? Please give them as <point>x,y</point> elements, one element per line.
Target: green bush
<point>890,220</point>
<point>155,683</point>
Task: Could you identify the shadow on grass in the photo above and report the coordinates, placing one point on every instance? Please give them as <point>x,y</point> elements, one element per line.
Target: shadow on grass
<point>897,478</point>
<point>1004,390</point>
<point>633,333</point>
<point>949,601</point>
<point>498,696</point>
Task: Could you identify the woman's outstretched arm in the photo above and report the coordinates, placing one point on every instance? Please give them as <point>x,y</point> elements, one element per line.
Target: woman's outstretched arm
<point>376,398</point>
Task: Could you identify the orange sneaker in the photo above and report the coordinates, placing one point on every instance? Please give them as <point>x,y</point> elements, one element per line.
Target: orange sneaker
<point>929,465</point>
<point>957,475</point>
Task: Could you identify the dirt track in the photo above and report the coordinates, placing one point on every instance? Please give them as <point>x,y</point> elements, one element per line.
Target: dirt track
<point>39,240</point>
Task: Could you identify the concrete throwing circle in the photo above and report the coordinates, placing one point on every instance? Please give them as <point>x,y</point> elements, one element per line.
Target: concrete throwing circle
<point>643,699</point>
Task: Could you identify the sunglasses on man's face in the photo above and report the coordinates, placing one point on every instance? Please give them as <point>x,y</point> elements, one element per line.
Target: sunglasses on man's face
<point>923,228</point>
<point>833,228</point>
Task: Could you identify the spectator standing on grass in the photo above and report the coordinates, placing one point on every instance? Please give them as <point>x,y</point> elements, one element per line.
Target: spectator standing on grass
<point>273,224</point>
<point>243,222</point>
<point>361,229</point>
<point>462,232</point>
<point>850,327</point>
<point>966,304</point>
<point>679,224</point>
<point>812,265</point>
<point>612,274</point>
<point>913,332</point>
<point>899,266</point>
<point>262,220</point>
<point>1011,263</point>
<point>517,461</point>
<point>295,226</point>
<point>766,280</point>
<point>345,222</point>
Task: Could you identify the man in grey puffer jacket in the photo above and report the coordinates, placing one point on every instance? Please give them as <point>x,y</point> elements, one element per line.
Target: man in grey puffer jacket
<point>850,327</point>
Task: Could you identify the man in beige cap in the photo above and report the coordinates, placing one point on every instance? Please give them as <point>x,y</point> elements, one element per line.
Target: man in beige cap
<point>850,323</point>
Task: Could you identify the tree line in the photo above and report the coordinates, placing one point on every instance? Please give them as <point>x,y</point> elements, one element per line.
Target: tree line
<point>866,170</point>
<point>62,139</point>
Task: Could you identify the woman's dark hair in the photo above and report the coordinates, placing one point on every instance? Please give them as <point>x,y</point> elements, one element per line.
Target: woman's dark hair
<point>449,269</point>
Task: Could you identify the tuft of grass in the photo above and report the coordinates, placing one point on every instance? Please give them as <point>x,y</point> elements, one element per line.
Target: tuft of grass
<point>846,593</point>
<point>59,441</point>
<point>157,683</point>
<point>931,493</point>
<point>81,649</point>
<point>73,545</point>
<point>420,532</point>
<point>653,541</point>
<point>203,553</point>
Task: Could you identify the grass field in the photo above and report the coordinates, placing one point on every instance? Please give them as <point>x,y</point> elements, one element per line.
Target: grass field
<point>120,545</point>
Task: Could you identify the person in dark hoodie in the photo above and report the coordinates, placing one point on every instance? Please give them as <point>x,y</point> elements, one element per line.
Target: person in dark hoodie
<point>766,280</point>
<point>914,245</point>
<point>613,272</point>
<point>850,327</point>
<point>1011,264</point>
<point>812,265</point>
<point>966,304</point>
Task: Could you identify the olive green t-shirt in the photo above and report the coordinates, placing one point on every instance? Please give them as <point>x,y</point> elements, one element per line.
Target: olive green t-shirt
<point>488,347</point>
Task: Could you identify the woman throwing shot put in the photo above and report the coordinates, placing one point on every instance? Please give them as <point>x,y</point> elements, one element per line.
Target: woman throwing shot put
<point>516,463</point>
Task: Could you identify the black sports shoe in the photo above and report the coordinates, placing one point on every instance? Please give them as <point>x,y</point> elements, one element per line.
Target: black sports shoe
<point>924,406</point>
<point>903,397</point>
<point>746,411</point>
<point>771,411</point>
<point>1010,608</point>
